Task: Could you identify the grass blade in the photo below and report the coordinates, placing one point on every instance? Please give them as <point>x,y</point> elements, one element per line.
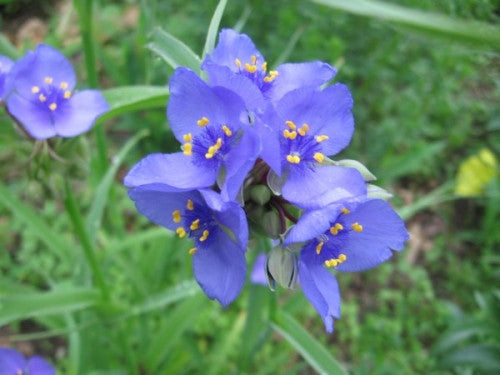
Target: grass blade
<point>173,51</point>
<point>313,352</point>
<point>214,27</point>
<point>477,34</point>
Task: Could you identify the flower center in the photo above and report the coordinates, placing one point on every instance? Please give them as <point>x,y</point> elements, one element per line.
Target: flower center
<point>299,147</point>
<point>257,72</point>
<point>50,94</point>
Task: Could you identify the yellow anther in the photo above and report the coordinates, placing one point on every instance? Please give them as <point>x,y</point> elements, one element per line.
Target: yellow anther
<point>204,236</point>
<point>190,205</point>
<point>218,144</point>
<point>250,68</point>
<point>64,85</point>
<point>176,216</point>
<point>42,98</point>
<point>35,89</point>
<point>238,63</point>
<point>253,58</point>
<point>67,94</point>
<point>342,258</point>
<point>227,131</point>
<point>291,125</point>
<point>203,121</point>
<point>187,137</point>
<point>212,150</point>
<point>336,228</point>
<point>48,80</point>
<point>321,138</point>
<point>345,211</point>
<point>319,247</point>
<point>195,224</point>
<point>319,157</point>
<point>331,263</point>
<point>53,106</point>
<point>187,149</point>
<point>264,66</point>
<point>181,232</point>
<point>303,129</point>
<point>192,251</point>
<point>294,159</point>
<point>357,227</point>
<point>271,77</point>
<point>289,134</point>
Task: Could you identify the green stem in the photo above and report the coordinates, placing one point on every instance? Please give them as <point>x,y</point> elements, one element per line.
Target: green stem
<point>84,8</point>
<point>76,219</point>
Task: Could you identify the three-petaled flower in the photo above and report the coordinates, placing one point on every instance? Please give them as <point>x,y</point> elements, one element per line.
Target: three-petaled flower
<point>13,363</point>
<point>42,97</point>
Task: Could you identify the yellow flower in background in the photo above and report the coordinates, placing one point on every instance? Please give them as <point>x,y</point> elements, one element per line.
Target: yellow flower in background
<point>475,173</point>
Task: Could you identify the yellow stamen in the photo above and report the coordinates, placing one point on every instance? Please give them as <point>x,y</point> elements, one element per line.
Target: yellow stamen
<point>271,77</point>
<point>227,131</point>
<point>203,121</point>
<point>212,150</point>
<point>187,149</point>
<point>291,125</point>
<point>319,157</point>
<point>48,80</point>
<point>342,258</point>
<point>181,232</point>
<point>176,216</point>
<point>319,247</point>
<point>192,251</point>
<point>194,225</point>
<point>336,228</point>
<point>253,58</point>
<point>345,211</point>
<point>264,66</point>
<point>303,130</point>
<point>331,263</point>
<point>289,134</point>
<point>321,138</point>
<point>294,159</point>
<point>204,236</point>
<point>190,205</point>
<point>53,106</point>
<point>187,137</point>
<point>64,85</point>
<point>42,98</point>
<point>357,227</point>
<point>35,89</point>
<point>238,63</point>
<point>67,94</point>
<point>250,68</point>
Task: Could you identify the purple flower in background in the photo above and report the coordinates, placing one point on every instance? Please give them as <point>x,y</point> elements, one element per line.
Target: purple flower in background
<point>5,67</point>
<point>13,363</point>
<point>258,274</point>
<point>218,229</point>
<point>43,99</point>
<point>349,238</point>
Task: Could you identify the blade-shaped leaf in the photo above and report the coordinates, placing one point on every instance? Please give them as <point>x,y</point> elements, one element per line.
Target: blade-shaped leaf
<point>31,305</point>
<point>133,98</point>
<point>214,27</point>
<point>173,51</point>
<point>313,352</point>
<point>477,34</point>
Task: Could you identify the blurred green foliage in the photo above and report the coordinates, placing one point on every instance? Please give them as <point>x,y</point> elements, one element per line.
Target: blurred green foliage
<point>422,105</point>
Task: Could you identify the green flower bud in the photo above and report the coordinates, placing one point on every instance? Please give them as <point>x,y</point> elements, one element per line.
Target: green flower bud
<point>260,194</point>
<point>282,268</point>
<point>271,224</point>
<point>367,175</point>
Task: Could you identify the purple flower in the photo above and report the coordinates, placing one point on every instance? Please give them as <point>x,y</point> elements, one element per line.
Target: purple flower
<point>258,275</point>
<point>218,229</point>
<point>211,123</point>
<point>13,363</point>
<point>349,238</point>
<point>5,67</point>
<point>43,99</point>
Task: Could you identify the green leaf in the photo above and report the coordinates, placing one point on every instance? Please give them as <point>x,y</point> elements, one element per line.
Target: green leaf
<point>94,217</point>
<point>31,305</point>
<point>214,27</point>
<point>8,49</point>
<point>313,352</point>
<point>477,34</point>
<point>484,357</point>
<point>36,224</point>
<point>173,51</point>
<point>133,98</point>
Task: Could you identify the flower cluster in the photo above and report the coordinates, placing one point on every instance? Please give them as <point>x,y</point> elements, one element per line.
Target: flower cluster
<point>13,363</point>
<point>39,93</point>
<point>255,153</point>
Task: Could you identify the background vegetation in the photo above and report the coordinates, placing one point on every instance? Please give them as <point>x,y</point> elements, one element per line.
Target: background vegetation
<point>424,103</point>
